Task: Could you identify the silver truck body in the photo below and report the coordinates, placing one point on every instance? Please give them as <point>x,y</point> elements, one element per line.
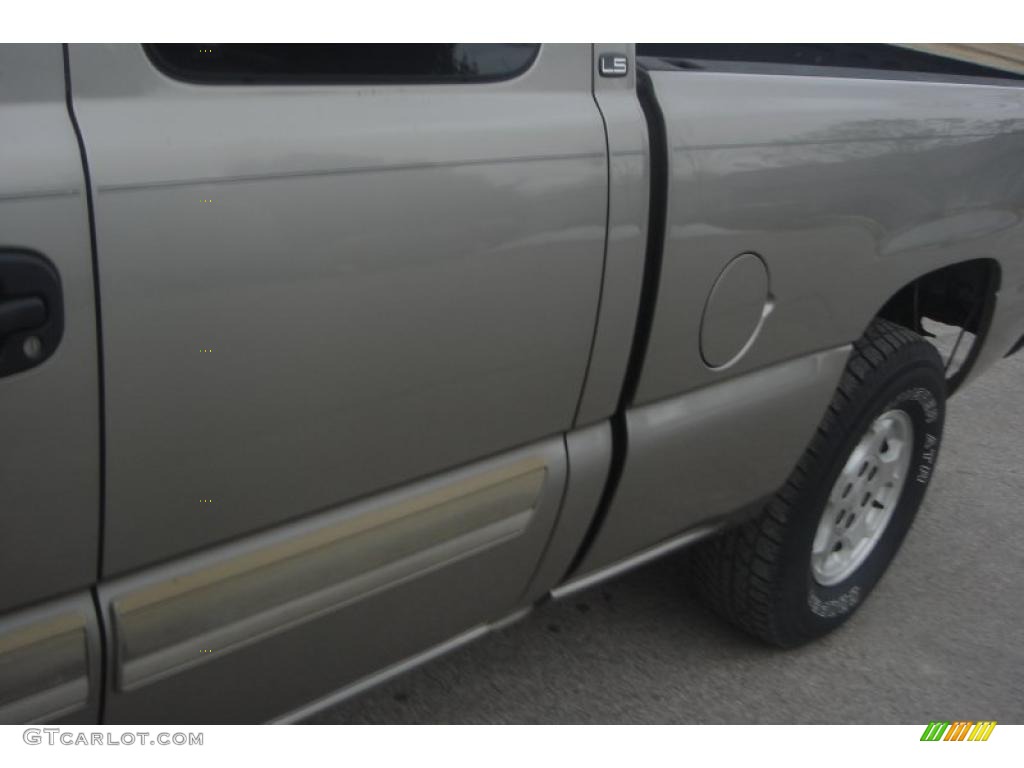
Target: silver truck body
<point>351,373</point>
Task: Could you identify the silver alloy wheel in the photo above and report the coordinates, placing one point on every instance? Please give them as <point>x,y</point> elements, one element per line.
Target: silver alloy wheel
<point>863,498</point>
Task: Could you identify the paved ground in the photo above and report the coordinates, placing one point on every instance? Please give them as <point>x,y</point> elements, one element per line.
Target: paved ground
<point>942,637</point>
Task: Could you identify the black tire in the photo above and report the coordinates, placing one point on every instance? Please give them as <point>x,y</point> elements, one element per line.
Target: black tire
<point>758,575</point>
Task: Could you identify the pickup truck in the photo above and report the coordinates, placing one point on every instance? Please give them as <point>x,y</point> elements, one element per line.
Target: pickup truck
<point>319,361</point>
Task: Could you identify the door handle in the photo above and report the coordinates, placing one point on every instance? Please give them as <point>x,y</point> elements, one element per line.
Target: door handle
<point>31,310</point>
<point>21,314</point>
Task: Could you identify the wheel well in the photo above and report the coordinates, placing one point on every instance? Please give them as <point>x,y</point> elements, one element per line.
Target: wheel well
<point>954,301</point>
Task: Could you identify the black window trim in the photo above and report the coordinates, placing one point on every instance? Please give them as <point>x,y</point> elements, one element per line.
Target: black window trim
<point>168,68</point>
<point>969,73</point>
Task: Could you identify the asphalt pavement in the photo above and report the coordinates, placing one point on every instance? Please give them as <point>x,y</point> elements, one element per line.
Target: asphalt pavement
<point>940,638</point>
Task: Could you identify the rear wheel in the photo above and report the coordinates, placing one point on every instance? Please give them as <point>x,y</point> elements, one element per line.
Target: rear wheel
<point>809,559</point>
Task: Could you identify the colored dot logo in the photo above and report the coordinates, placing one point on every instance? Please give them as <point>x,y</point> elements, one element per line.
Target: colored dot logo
<point>206,349</point>
<point>205,200</point>
<point>206,50</point>
<point>206,501</point>
<point>206,650</point>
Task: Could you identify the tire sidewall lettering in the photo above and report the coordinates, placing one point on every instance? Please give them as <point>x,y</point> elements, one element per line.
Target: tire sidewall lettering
<point>929,405</point>
<point>832,604</point>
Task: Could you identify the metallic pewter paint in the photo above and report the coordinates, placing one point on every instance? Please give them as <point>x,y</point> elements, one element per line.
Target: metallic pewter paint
<point>379,276</point>
<point>337,588</point>
<point>49,415</point>
<point>50,662</point>
<point>589,454</point>
<point>244,599</point>
<point>737,306</point>
<point>396,280</point>
<point>695,458</point>
<point>847,188</point>
<point>629,184</point>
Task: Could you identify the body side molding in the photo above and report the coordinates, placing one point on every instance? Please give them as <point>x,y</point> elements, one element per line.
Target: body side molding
<point>160,628</point>
<point>49,663</point>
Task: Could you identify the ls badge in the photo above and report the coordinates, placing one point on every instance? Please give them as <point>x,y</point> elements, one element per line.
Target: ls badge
<point>612,65</point>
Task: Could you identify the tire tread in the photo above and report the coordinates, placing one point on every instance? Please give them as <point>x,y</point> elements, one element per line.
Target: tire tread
<point>738,573</point>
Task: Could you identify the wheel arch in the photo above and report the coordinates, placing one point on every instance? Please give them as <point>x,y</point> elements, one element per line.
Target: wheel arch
<point>961,295</point>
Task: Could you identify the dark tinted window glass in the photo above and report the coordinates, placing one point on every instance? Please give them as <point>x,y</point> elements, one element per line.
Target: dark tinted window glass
<point>878,57</point>
<point>342,62</point>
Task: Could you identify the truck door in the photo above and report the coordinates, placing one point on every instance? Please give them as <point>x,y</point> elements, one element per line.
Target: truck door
<point>49,402</point>
<point>329,272</point>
